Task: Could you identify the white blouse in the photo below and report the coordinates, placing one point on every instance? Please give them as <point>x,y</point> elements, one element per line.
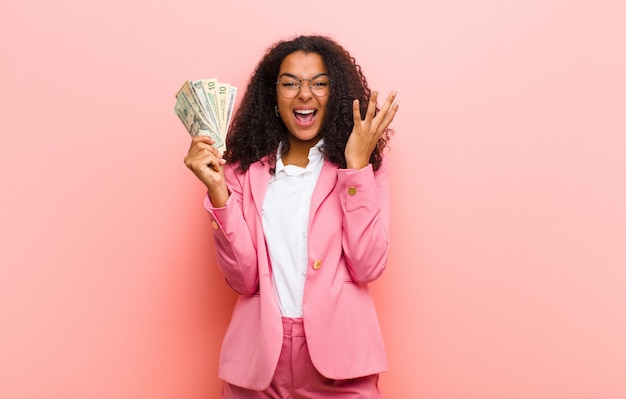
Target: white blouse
<point>285,218</point>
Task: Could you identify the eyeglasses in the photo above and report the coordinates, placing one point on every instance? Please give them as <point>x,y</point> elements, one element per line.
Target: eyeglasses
<point>289,86</point>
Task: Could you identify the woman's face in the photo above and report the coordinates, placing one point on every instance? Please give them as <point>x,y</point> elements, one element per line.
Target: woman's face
<point>303,114</point>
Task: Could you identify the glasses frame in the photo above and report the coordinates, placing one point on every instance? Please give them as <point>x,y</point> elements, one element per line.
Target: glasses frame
<point>277,83</point>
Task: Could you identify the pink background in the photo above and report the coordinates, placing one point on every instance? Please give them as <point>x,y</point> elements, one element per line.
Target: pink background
<point>507,271</point>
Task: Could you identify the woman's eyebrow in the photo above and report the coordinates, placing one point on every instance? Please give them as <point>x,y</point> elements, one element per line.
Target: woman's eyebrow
<point>295,77</point>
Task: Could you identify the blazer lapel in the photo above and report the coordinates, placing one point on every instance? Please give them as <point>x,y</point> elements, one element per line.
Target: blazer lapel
<point>259,180</point>
<point>325,184</point>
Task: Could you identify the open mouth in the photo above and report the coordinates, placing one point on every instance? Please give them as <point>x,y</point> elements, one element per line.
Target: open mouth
<point>305,116</point>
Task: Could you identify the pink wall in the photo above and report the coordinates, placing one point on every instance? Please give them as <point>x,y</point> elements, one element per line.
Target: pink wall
<point>507,273</point>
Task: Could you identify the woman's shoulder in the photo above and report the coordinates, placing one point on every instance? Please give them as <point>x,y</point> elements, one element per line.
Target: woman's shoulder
<point>237,165</point>
<point>235,170</point>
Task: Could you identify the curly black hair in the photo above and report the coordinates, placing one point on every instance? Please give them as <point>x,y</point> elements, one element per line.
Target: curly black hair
<point>256,132</point>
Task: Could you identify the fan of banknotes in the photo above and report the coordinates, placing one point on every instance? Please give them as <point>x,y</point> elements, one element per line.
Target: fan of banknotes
<point>205,108</point>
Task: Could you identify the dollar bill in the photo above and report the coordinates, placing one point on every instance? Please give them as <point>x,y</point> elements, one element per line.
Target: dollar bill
<point>222,98</point>
<point>210,87</point>
<point>205,107</point>
<point>194,122</point>
<point>206,103</point>
<point>192,97</point>
<point>232,95</point>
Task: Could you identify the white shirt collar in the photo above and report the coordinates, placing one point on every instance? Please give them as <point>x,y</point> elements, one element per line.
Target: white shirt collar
<point>315,155</point>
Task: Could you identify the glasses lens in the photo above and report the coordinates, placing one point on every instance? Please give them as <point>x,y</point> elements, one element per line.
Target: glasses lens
<point>320,86</point>
<point>290,87</point>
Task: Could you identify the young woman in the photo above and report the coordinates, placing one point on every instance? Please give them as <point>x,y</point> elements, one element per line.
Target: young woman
<point>300,212</point>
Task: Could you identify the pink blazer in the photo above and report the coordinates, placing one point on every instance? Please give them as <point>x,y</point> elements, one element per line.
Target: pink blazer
<point>348,247</point>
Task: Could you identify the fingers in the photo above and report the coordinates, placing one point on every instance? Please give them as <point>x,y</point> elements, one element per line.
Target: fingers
<point>371,106</point>
<point>201,139</point>
<point>385,115</point>
<point>371,109</point>
<point>367,132</point>
<point>202,155</point>
<point>356,111</point>
<point>203,144</point>
<point>389,110</point>
<point>389,103</point>
<point>202,159</point>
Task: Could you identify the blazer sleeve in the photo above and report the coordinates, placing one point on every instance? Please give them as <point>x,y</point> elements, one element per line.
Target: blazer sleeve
<point>364,198</point>
<point>236,252</point>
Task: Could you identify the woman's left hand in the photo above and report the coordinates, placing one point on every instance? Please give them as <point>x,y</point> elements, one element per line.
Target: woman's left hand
<point>367,132</point>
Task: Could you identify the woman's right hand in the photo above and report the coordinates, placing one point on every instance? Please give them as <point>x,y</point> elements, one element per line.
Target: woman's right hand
<point>207,164</point>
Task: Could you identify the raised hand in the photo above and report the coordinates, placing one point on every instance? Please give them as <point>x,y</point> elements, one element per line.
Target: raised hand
<point>367,132</point>
<point>206,162</point>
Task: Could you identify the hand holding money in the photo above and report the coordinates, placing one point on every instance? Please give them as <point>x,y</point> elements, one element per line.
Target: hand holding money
<point>206,162</point>
<point>205,107</point>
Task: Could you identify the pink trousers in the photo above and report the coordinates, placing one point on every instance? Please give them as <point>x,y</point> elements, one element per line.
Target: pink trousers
<point>297,378</point>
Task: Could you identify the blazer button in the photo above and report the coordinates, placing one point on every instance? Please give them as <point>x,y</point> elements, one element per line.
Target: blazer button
<point>317,264</point>
<point>352,190</point>
<point>215,225</point>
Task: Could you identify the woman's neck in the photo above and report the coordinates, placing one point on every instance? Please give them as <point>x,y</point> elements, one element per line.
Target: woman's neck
<point>298,153</point>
